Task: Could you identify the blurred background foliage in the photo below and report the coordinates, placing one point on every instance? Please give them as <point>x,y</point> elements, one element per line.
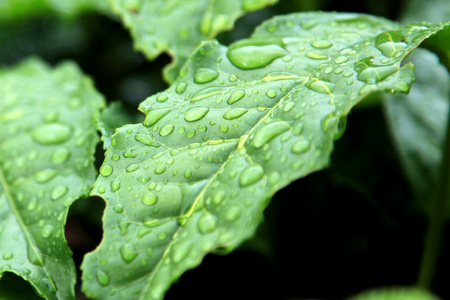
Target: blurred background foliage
<point>330,235</point>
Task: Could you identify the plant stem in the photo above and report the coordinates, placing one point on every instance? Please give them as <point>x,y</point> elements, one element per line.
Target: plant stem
<point>436,226</point>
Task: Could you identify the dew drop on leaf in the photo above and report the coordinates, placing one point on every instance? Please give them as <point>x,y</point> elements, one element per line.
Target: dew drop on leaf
<point>44,175</point>
<point>154,116</point>
<point>251,175</point>
<point>236,96</point>
<point>150,198</point>
<point>195,113</point>
<point>7,256</point>
<point>234,113</point>
<point>206,223</point>
<point>204,75</point>
<point>322,44</point>
<point>256,56</point>
<point>50,134</point>
<point>128,252</point>
<point>106,170</point>
<point>268,132</point>
<point>233,213</point>
<point>58,192</point>
<point>301,146</point>
<point>102,278</point>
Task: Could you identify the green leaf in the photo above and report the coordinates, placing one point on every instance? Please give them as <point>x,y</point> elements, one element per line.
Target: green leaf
<point>114,116</point>
<point>239,124</point>
<point>418,123</point>
<point>177,27</point>
<point>48,138</point>
<point>395,293</point>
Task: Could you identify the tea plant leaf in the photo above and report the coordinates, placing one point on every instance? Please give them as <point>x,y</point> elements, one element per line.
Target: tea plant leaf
<point>418,122</point>
<point>238,124</point>
<point>112,117</point>
<point>396,293</point>
<point>178,26</point>
<point>47,142</point>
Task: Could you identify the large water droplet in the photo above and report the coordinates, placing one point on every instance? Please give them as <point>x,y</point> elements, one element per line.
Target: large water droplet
<point>154,116</point>
<point>47,230</point>
<point>106,170</point>
<point>181,87</point>
<point>128,253</point>
<point>301,146</point>
<point>206,223</point>
<point>233,213</point>
<point>322,44</point>
<point>166,130</point>
<point>251,175</point>
<point>320,86</point>
<point>53,133</point>
<point>146,140</point>
<point>44,175</point>
<point>58,192</point>
<point>315,54</point>
<point>7,256</point>
<point>61,155</point>
<point>236,96</point>
<point>268,132</point>
<point>132,168</point>
<point>371,73</point>
<point>150,198</point>
<point>255,53</point>
<point>196,113</point>
<point>234,113</point>
<point>102,278</point>
<point>204,75</point>
<point>390,43</point>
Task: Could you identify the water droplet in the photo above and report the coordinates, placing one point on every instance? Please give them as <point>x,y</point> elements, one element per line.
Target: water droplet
<point>160,169</point>
<point>219,197</point>
<point>166,130</point>
<point>234,113</point>
<point>181,87</point>
<point>161,236</point>
<point>101,189</point>
<point>204,75</point>
<point>390,43</point>
<point>271,94</point>
<point>128,253</point>
<point>60,155</point>
<point>206,223</point>
<point>233,213</point>
<point>53,133</point>
<point>146,140</point>
<point>268,132</point>
<point>102,278</point>
<point>58,192</point>
<point>255,53</point>
<point>7,256</point>
<point>301,146</point>
<point>32,204</point>
<point>315,54</point>
<point>150,198</point>
<point>46,231</point>
<point>118,209</point>
<point>106,170</point>
<point>251,175</point>
<point>181,252</point>
<point>132,168</point>
<point>371,74</point>
<point>195,113</point>
<point>341,59</point>
<point>129,153</point>
<point>236,96</point>
<point>320,86</point>
<point>322,44</point>
<point>115,186</point>
<point>44,175</point>
<point>162,98</point>
<point>154,116</point>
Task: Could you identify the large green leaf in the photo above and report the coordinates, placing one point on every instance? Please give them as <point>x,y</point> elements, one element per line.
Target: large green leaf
<point>418,123</point>
<point>177,26</point>
<point>237,125</point>
<point>47,142</point>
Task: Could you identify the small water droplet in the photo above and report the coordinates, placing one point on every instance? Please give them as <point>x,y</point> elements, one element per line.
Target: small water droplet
<point>60,155</point>
<point>268,132</point>
<point>47,230</point>
<point>146,139</point>
<point>320,86</point>
<point>204,75</point>
<point>128,253</point>
<point>251,175</point>
<point>341,59</point>
<point>51,134</point>
<point>391,43</point>
<point>162,98</point>
<point>195,113</point>
<point>271,93</point>
<point>118,209</point>
<point>160,169</point>
<point>132,168</point>
<point>150,198</point>
<point>181,87</point>
<point>154,116</point>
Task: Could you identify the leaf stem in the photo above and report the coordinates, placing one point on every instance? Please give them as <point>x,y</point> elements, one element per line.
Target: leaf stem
<point>436,226</point>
